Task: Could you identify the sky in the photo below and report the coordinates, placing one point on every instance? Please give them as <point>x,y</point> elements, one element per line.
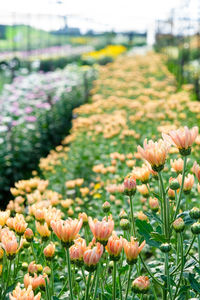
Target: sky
<point>99,15</point>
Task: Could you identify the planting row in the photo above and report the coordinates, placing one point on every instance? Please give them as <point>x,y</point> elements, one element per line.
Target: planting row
<point>36,113</point>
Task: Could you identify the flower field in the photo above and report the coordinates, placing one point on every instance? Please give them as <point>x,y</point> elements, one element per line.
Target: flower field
<point>115,213</point>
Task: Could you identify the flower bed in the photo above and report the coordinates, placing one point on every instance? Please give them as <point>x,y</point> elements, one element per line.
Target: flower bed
<point>133,202</point>
<point>36,114</point>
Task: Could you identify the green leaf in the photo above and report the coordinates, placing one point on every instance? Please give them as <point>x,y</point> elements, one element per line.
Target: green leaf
<point>194,283</point>
<point>145,230</point>
<point>123,269</point>
<point>154,216</point>
<point>158,237</point>
<point>197,269</point>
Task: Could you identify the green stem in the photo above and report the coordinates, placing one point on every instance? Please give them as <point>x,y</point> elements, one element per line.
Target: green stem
<point>149,272</point>
<point>120,286</point>
<point>106,269</point>
<point>186,254</point>
<point>178,249</point>
<point>181,189</point>
<point>52,278</point>
<point>17,259</point>
<point>132,217</point>
<point>83,274</point>
<point>128,282</point>
<point>47,289</point>
<point>114,279</point>
<point>69,274</point>
<point>154,293</point>
<point>61,292</point>
<point>33,252</point>
<point>167,274</point>
<point>182,266</point>
<point>165,207</point>
<point>88,286</point>
<point>93,281</point>
<point>97,282</point>
<point>8,278</point>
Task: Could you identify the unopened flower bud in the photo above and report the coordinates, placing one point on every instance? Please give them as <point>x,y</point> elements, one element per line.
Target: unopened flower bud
<point>49,251</point>
<point>141,285</point>
<point>171,194</point>
<point>28,234</point>
<point>125,224</point>
<point>178,225</point>
<point>174,185</point>
<point>154,204</point>
<point>26,244</point>
<point>165,247</point>
<point>24,266</point>
<point>123,214</point>
<point>129,185</point>
<point>195,213</point>
<point>47,270</point>
<point>106,207</point>
<point>195,228</point>
<point>111,264</point>
<point>39,268</point>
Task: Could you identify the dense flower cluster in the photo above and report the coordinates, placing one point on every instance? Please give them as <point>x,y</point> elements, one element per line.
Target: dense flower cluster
<point>111,211</point>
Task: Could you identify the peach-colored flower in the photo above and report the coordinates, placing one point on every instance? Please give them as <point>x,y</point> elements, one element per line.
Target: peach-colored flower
<point>52,214</point>
<point>142,216</point>
<point>101,230</point>
<point>188,182</point>
<point>84,217</point>
<point>1,253</point>
<point>142,173</point>
<point>77,250</point>
<point>171,194</point>
<point>141,284</point>
<point>114,246</point>
<point>67,230</point>
<point>182,138</point>
<point>79,181</point>
<point>155,153</point>
<point>9,242</point>
<point>36,281</point>
<point>143,190</point>
<point>198,188</point>
<point>9,223</point>
<point>177,165</point>
<point>70,184</point>
<point>39,214</point>
<point>196,170</point>
<point>49,250</point>
<point>92,256</point>
<point>28,234</point>
<point>32,267</point>
<point>43,229</point>
<point>132,250</point>
<point>4,215</point>
<point>1,269</point>
<point>19,224</point>
<point>24,294</point>
<point>84,191</point>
